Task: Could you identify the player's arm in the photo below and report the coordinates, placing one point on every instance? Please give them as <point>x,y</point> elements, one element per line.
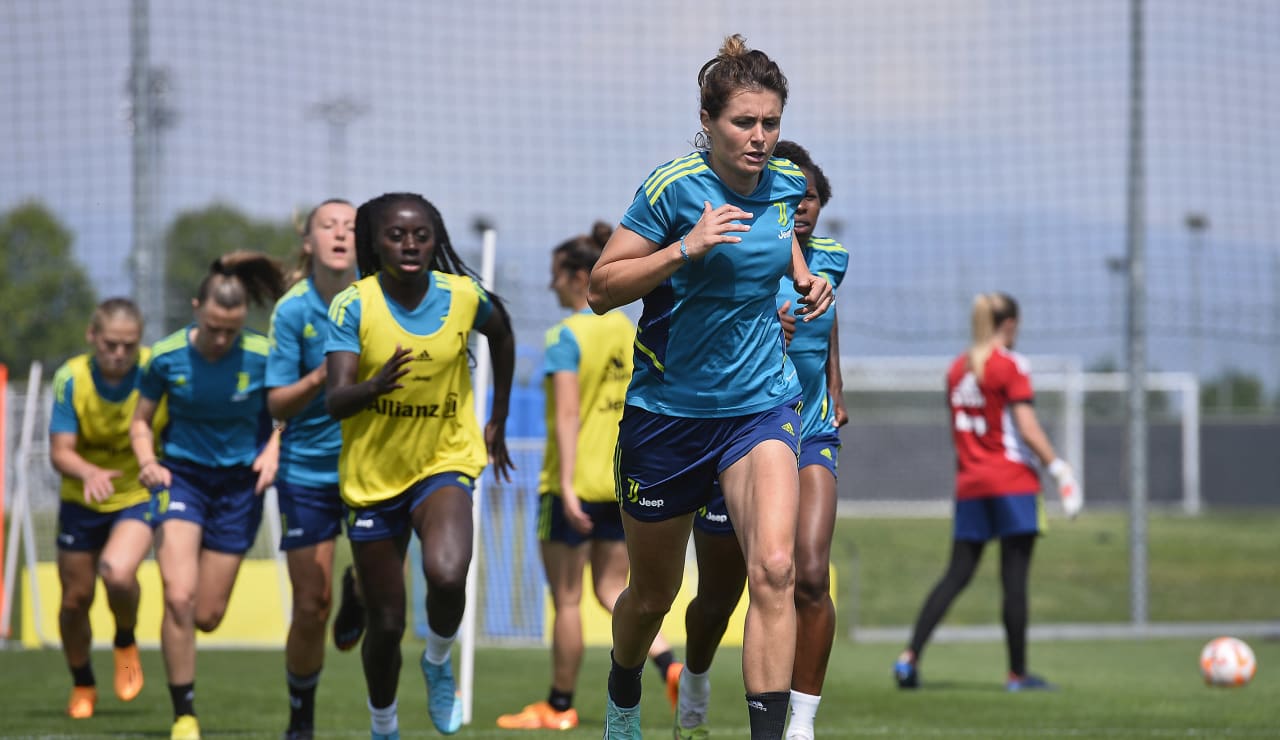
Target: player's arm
<point>502,353</point>
<point>631,266</point>
<point>1024,418</point>
<point>142,439</point>
<point>68,462</point>
<point>835,380</point>
<point>268,460</point>
<point>289,394</point>
<point>816,295</point>
<point>564,386</point>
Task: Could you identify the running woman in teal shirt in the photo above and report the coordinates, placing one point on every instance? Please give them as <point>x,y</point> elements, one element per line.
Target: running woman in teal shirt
<point>713,395</point>
<point>814,349</point>
<point>311,509</point>
<point>220,454</point>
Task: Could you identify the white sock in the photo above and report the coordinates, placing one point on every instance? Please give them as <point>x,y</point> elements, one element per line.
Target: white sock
<point>438,647</point>
<point>695,696</point>
<point>804,707</point>
<point>384,721</point>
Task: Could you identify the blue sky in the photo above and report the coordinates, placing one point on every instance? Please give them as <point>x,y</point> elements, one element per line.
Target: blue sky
<point>972,145</point>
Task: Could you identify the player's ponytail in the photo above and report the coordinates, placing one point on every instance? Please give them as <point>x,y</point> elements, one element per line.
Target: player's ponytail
<point>990,310</point>
<point>240,278</point>
<point>581,252</point>
<point>737,68</point>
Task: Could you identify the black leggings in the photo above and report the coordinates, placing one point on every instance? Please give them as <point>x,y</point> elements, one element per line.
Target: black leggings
<point>1015,566</point>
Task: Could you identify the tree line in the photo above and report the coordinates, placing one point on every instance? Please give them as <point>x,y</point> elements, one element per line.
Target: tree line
<point>46,294</point>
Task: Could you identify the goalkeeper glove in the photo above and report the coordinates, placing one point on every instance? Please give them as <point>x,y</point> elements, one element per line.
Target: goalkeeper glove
<point>1068,488</point>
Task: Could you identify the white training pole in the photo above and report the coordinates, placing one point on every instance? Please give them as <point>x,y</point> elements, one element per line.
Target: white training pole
<point>271,509</point>
<point>467,659</point>
<point>20,515</point>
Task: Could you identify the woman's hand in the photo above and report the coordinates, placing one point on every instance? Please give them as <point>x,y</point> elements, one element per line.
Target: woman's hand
<point>153,475</point>
<point>495,439</point>
<point>715,227</point>
<point>388,377</point>
<point>98,486</point>
<point>573,513</point>
<point>816,295</point>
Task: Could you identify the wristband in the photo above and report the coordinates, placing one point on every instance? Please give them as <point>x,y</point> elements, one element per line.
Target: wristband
<point>1058,467</point>
<point>684,253</point>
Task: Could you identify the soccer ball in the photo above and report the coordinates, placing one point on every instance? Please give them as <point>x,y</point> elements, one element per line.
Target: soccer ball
<point>1226,661</point>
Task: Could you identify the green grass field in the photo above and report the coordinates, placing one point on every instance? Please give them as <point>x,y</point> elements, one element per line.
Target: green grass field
<point>1108,690</point>
<point>1220,567</point>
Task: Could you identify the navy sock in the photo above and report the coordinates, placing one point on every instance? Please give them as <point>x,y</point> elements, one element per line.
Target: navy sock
<point>768,713</point>
<point>83,675</point>
<point>561,701</point>
<point>124,637</point>
<point>183,696</point>
<point>662,662</point>
<point>624,684</point>
<point>302,700</point>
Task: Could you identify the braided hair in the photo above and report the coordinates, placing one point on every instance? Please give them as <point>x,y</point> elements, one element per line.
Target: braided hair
<point>443,258</point>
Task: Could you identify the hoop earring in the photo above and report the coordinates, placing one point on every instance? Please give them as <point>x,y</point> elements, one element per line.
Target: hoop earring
<point>702,141</point>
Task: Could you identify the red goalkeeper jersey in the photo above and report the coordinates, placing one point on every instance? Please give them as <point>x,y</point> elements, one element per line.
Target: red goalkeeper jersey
<point>991,457</point>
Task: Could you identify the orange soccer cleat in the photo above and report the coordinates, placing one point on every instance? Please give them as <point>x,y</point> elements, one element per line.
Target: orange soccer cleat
<point>128,672</point>
<point>539,716</point>
<point>673,683</point>
<point>80,705</point>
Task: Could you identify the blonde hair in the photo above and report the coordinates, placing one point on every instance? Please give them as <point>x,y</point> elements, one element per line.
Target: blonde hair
<point>990,310</point>
<point>113,308</point>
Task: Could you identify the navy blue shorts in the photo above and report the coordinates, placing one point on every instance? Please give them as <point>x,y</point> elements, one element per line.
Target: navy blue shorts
<point>665,466</point>
<point>714,518</point>
<point>390,519</point>
<point>981,519</point>
<point>308,515</point>
<point>606,521</point>
<point>81,529</point>
<point>220,500</point>
<point>821,449</point>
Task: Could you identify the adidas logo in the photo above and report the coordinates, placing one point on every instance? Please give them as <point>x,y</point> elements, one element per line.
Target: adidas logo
<point>826,452</point>
<point>309,331</point>
<point>789,429</point>
<point>756,705</point>
<point>423,356</point>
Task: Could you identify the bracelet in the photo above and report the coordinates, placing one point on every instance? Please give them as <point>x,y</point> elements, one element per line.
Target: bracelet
<point>144,465</point>
<point>684,253</point>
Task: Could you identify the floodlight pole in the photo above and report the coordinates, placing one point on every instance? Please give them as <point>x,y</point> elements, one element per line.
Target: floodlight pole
<point>1136,326</point>
<point>147,279</point>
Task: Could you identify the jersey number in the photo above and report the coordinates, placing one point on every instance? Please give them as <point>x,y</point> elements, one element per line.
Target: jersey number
<point>975,423</point>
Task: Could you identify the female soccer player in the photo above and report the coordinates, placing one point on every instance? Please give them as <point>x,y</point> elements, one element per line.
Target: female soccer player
<point>399,379</point>
<point>104,521</point>
<point>587,367</point>
<point>713,395</point>
<point>813,348</point>
<point>220,454</point>
<point>995,432</point>
<point>307,482</point>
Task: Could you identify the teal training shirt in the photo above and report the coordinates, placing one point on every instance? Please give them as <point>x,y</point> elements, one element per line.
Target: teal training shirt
<point>812,342</point>
<point>217,410</point>
<point>312,439</point>
<point>709,343</point>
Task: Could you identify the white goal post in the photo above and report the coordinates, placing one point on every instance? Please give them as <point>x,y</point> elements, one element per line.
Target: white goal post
<point>1060,377</point>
